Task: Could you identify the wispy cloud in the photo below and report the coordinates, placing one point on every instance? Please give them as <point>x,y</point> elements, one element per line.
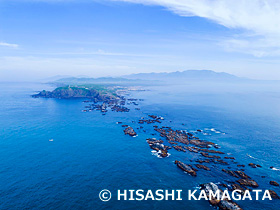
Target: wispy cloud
<point>5,44</point>
<point>258,21</point>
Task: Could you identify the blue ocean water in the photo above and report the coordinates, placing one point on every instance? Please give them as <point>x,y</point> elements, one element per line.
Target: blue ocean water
<point>89,151</point>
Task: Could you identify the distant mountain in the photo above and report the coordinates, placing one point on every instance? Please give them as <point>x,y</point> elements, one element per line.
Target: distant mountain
<point>182,75</point>
<point>100,80</point>
<point>177,77</point>
<point>53,78</point>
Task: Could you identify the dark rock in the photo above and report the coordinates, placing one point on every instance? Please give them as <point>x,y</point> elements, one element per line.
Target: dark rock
<point>274,183</point>
<point>273,194</point>
<point>209,156</point>
<point>253,165</point>
<point>232,158</point>
<point>179,148</point>
<point>202,167</point>
<point>129,130</point>
<point>238,187</point>
<point>248,182</point>
<point>242,175</point>
<point>185,167</point>
<point>215,201</point>
<point>232,173</point>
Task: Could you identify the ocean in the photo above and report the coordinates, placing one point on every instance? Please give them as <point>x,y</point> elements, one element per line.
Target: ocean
<point>54,156</point>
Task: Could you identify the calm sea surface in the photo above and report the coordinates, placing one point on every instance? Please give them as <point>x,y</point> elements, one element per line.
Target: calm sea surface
<point>89,152</point>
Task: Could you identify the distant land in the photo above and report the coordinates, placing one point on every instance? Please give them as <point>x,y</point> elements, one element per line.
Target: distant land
<point>97,92</point>
<point>107,88</point>
<point>100,80</point>
<point>188,74</point>
<point>149,78</point>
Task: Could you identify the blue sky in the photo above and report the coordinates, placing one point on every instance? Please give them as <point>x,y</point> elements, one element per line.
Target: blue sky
<point>42,38</point>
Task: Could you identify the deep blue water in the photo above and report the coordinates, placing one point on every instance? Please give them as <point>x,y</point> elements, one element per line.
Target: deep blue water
<point>90,152</point>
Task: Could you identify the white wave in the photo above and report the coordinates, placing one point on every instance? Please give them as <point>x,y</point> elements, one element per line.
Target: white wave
<point>275,169</point>
<point>251,156</point>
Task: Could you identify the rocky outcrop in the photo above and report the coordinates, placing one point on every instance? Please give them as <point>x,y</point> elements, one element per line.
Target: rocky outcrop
<point>157,145</point>
<point>185,167</point>
<point>237,187</point>
<point>231,158</point>
<point>76,92</point>
<point>209,156</point>
<point>179,148</point>
<point>242,175</point>
<point>202,167</point>
<point>248,182</point>
<point>253,165</point>
<point>273,194</point>
<point>215,201</point>
<point>274,183</point>
<point>232,173</point>
<point>129,131</point>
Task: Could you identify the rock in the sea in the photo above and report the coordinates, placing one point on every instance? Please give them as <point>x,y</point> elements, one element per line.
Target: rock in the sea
<point>227,205</point>
<point>253,165</point>
<point>242,175</point>
<point>273,194</point>
<point>237,187</point>
<point>232,173</point>
<point>158,146</point>
<point>202,167</point>
<point>248,182</point>
<point>129,131</point>
<point>185,167</point>
<point>274,183</point>
<point>231,158</point>
<point>215,201</point>
<point>179,148</point>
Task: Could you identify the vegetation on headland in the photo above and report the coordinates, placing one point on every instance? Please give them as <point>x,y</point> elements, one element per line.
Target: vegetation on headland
<point>92,91</point>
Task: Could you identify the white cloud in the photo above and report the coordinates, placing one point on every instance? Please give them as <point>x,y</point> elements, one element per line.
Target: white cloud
<point>4,44</point>
<point>258,20</point>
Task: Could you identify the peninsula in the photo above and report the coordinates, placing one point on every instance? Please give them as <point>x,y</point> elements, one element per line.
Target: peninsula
<point>98,93</point>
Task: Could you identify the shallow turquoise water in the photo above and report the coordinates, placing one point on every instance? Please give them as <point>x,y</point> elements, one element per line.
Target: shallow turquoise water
<point>90,152</point>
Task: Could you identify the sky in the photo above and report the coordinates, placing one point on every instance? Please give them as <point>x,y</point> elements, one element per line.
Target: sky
<point>44,38</point>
